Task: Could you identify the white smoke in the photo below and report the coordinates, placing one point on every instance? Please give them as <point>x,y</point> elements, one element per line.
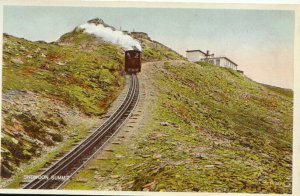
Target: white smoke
<point>110,35</point>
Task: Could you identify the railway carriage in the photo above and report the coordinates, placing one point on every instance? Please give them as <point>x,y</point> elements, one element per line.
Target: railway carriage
<point>132,61</point>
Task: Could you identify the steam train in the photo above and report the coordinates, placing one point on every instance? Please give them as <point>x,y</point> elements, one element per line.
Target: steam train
<point>133,61</point>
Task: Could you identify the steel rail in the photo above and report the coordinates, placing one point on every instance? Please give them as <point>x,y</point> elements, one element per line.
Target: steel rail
<point>81,146</point>
<point>103,145</point>
<point>29,185</point>
<point>73,158</point>
<point>87,146</point>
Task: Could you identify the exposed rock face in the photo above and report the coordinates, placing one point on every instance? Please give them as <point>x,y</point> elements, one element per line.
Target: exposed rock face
<point>29,122</point>
<point>98,21</point>
<point>140,35</point>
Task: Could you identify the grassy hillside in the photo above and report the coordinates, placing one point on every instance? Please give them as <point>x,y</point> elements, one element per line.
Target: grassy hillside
<point>81,78</point>
<point>212,130</point>
<point>52,90</point>
<point>53,93</point>
<point>153,50</point>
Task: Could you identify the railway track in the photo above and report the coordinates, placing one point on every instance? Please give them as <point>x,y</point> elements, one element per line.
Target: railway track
<point>61,171</point>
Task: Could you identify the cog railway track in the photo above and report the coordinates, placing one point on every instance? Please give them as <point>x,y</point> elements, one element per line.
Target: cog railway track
<point>66,167</point>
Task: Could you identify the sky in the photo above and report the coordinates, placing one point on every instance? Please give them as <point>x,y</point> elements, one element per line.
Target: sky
<point>261,42</point>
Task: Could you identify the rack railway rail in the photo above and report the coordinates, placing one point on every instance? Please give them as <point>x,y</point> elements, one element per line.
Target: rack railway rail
<point>60,172</point>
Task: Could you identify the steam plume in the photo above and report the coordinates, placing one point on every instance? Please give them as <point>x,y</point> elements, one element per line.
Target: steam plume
<point>110,35</point>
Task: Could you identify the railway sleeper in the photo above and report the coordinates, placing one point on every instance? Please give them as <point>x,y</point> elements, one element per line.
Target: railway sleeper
<point>93,143</point>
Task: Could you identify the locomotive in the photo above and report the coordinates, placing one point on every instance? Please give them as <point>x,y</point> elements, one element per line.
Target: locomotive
<point>132,61</point>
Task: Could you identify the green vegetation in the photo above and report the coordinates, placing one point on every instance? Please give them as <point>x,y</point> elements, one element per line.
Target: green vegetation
<point>155,51</point>
<point>45,159</point>
<point>213,130</point>
<point>158,53</point>
<point>283,91</point>
<point>48,89</point>
<point>88,79</point>
<point>76,37</point>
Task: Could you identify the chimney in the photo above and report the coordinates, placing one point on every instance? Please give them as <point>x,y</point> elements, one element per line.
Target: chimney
<point>207,52</point>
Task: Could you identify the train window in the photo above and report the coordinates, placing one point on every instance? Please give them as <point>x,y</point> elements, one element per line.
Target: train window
<point>136,55</point>
<point>128,56</point>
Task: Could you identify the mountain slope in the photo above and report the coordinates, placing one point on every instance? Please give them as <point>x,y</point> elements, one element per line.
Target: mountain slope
<point>50,89</point>
<point>53,93</point>
<point>211,130</point>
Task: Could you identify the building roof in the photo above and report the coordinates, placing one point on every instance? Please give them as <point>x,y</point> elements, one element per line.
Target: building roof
<point>196,51</point>
<point>224,57</point>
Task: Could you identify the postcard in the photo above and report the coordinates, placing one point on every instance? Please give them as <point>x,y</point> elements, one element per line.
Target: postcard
<point>147,98</point>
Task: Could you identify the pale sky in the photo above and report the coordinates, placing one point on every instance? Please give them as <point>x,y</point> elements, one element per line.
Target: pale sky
<point>259,41</point>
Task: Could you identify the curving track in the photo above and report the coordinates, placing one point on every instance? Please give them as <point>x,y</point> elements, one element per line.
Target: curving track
<point>60,172</point>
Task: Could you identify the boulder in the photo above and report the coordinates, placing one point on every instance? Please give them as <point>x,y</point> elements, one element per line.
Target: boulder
<point>5,172</point>
<point>17,61</point>
<point>56,137</point>
<point>164,124</point>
